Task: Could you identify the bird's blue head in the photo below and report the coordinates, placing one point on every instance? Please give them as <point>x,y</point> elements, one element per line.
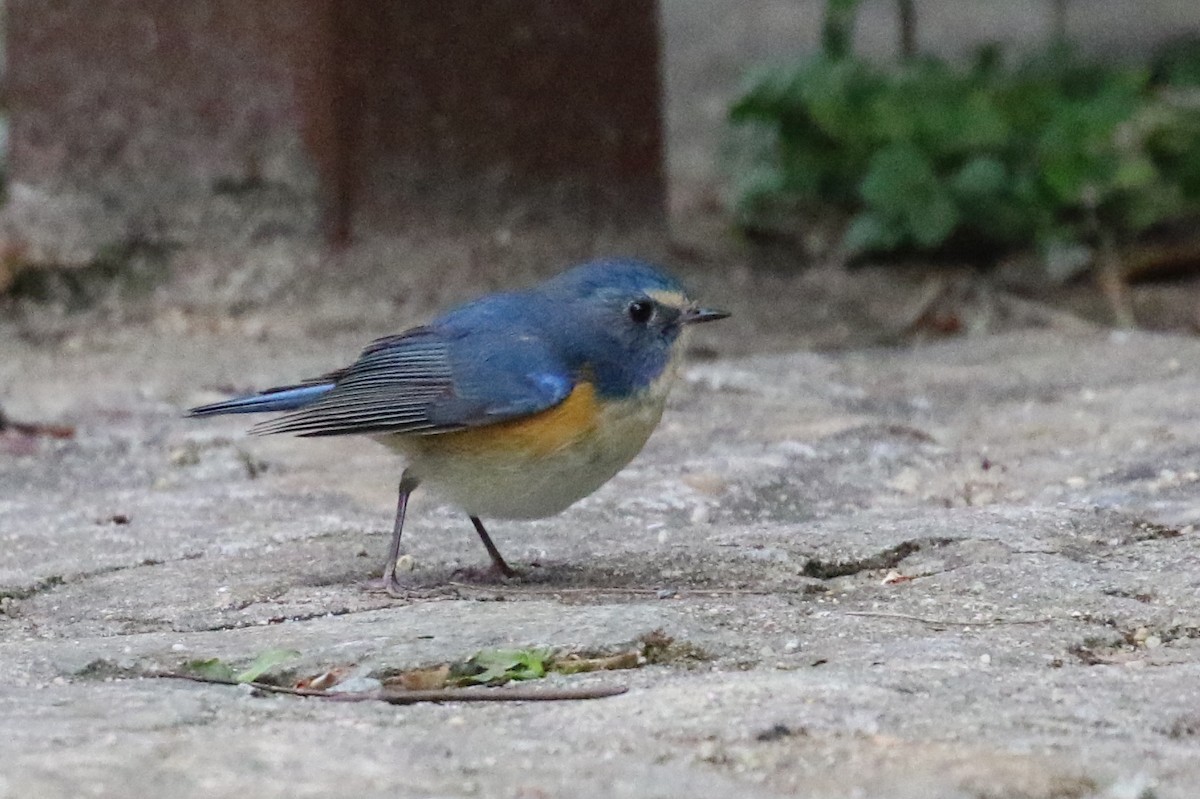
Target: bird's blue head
<point>622,321</point>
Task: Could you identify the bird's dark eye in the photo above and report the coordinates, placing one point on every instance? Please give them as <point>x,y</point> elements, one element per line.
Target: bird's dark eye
<point>640,311</point>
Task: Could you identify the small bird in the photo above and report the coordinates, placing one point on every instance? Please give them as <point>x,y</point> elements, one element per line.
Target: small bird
<point>513,406</point>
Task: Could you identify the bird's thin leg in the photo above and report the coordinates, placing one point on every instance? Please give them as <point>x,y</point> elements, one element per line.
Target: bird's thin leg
<point>497,559</point>
<point>390,584</point>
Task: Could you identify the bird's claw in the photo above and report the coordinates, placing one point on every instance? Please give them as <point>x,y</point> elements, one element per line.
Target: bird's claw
<point>393,587</point>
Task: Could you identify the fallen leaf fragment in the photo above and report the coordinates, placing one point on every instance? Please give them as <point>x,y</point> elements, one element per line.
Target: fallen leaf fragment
<point>421,679</point>
<point>213,669</point>
<point>265,662</point>
<point>477,694</point>
<point>217,670</point>
<point>894,578</point>
<point>498,666</point>
<point>325,680</point>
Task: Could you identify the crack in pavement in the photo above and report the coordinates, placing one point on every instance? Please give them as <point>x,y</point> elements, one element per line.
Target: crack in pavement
<point>887,559</point>
<point>53,581</point>
<point>303,617</point>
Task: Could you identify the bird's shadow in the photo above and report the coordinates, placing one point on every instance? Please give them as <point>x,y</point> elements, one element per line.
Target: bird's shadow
<point>630,577</point>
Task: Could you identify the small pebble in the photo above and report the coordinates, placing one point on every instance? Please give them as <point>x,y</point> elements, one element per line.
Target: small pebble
<point>709,483</point>
<point>356,685</point>
<point>184,456</point>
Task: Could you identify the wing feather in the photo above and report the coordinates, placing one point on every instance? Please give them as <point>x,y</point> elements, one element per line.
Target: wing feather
<point>432,380</point>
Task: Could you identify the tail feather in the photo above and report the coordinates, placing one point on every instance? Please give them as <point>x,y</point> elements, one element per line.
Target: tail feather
<point>287,398</point>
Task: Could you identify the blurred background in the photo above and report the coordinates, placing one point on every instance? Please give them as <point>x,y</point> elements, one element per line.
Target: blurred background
<point>840,173</point>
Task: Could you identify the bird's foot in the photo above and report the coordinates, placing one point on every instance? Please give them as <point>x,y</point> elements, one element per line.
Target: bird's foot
<point>392,587</point>
<point>405,588</point>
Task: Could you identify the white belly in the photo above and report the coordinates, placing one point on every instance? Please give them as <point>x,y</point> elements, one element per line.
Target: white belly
<point>517,486</point>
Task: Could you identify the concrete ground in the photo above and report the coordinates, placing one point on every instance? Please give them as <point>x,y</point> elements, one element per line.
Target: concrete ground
<point>969,569</point>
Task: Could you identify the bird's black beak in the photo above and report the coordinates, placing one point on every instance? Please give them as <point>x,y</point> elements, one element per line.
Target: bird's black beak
<point>694,315</point>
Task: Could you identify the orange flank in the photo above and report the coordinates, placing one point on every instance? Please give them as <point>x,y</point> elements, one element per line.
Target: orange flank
<point>550,431</point>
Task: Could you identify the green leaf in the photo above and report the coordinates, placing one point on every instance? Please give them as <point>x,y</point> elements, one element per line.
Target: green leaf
<point>1178,64</point>
<point>1019,155</point>
<point>932,222</point>
<point>265,662</point>
<point>210,669</point>
<point>1135,172</point>
<point>870,232</point>
<point>984,124</point>
<point>497,666</point>
<point>770,96</point>
<point>837,30</point>
<point>897,176</point>
<point>982,176</point>
<point>759,184</point>
<point>837,98</point>
<point>1151,205</point>
<point>902,187</point>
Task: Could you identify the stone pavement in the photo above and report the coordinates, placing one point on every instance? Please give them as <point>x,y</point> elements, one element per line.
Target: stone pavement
<point>969,569</point>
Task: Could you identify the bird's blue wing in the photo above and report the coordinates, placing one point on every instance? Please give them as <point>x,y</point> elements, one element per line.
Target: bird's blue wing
<point>435,380</point>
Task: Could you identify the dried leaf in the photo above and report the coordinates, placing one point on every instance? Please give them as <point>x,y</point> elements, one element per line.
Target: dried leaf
<point>421,679</point>
<point>894,577</point>
<point>325,680</point>
<point>574,664</point>
<point>658,648</point>
<point>12,261</point>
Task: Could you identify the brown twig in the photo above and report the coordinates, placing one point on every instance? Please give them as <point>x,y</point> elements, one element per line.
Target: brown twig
<point>36,428</point>
<point>1027,310</point>
<point>908,28</point>
<point>521,694</point>
<point>1111,278</point>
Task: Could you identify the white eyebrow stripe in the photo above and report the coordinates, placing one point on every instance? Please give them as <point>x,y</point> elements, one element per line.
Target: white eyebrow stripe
<point>671,299</point>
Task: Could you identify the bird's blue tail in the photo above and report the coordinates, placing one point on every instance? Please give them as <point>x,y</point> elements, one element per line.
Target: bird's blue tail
<point>286,398</point>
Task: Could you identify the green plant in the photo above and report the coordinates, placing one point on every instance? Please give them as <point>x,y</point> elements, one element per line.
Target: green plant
<point>217,669</point>
<point>1053,152</point>
<point>498,666</point>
